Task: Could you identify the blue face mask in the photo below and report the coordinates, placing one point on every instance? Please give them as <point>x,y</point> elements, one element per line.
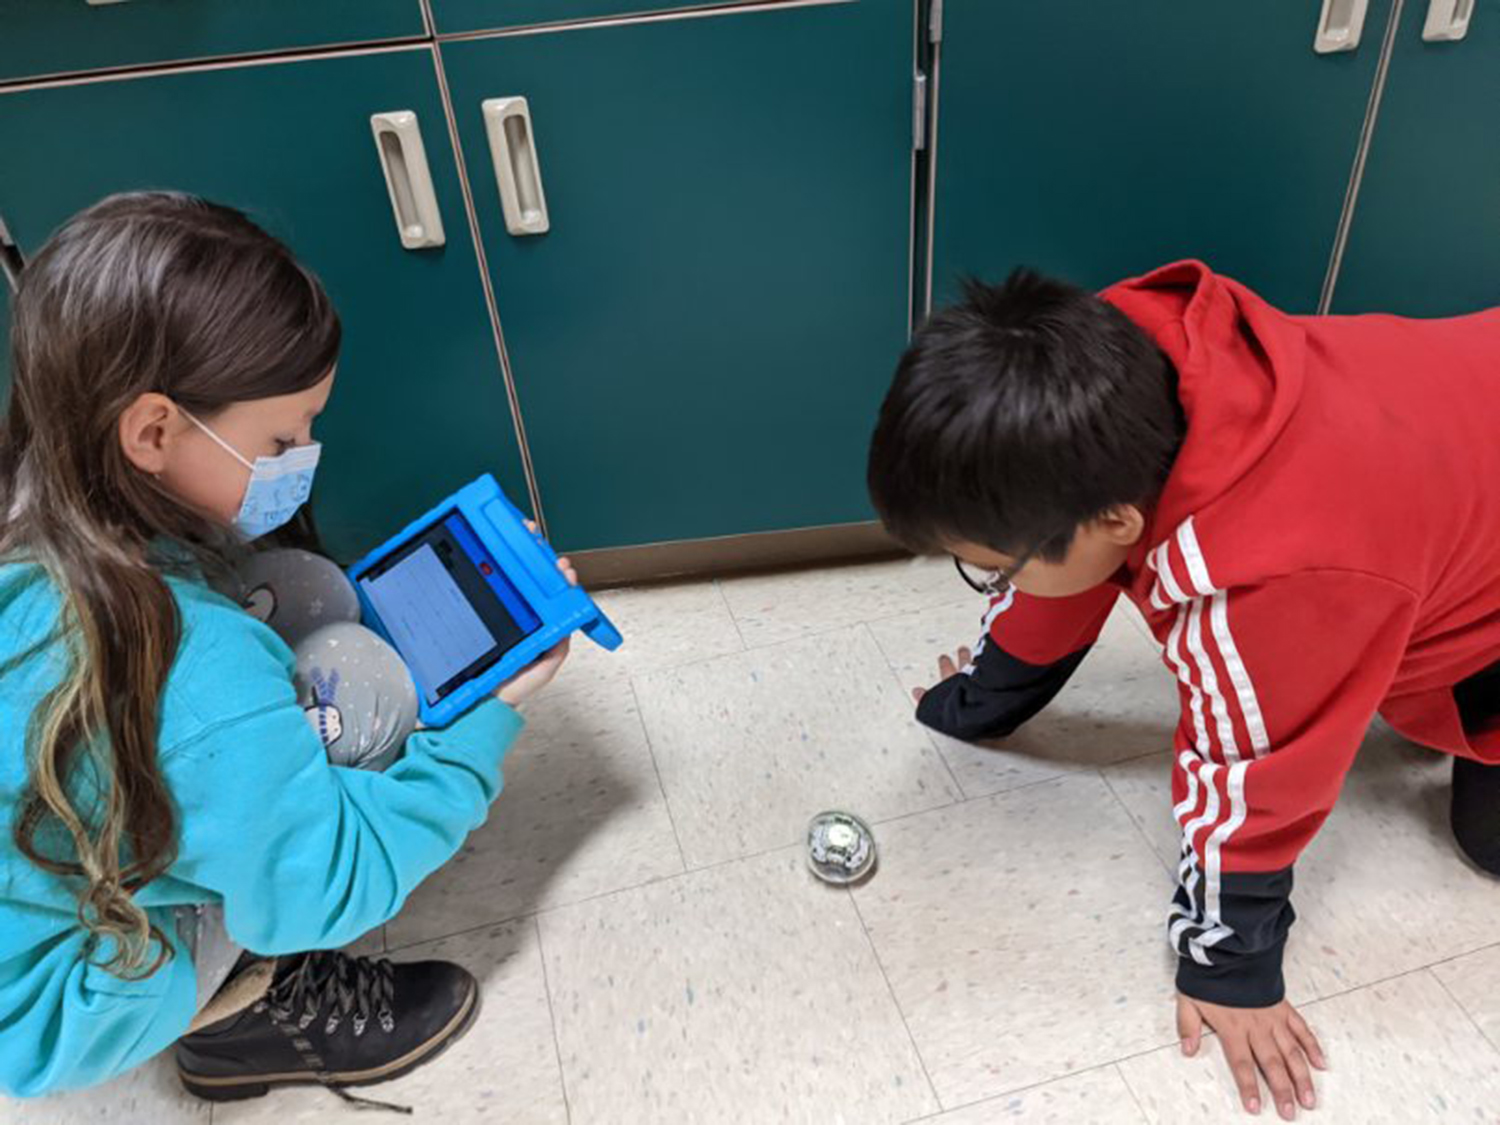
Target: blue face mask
<point>278,485</point>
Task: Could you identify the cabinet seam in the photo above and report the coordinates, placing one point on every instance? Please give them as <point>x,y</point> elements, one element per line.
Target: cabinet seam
<point>1361,155</point>
<point>486,282</point>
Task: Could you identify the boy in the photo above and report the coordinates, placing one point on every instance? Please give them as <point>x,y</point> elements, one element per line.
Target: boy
<point>1306,510</point>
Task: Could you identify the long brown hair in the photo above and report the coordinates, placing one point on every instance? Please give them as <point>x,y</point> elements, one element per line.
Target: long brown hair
<point>143,292</point>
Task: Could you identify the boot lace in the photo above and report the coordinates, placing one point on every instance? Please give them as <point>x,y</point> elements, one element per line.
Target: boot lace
<point>336,987</point>
<point>339,988</point>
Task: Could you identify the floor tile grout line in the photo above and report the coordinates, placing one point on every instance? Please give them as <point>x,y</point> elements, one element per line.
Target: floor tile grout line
<point>1393,976</point>
<point>1136,758</point>
<point>535,916</point>
<point>1131,1090</point>
<point>1464,1008</point>
<point>925,607</point>
<point>1140,831</point>
<point>733,618</point>
<point>513,919</point>
<point>748,646</point>
<point>851,624</point>
<point>562,1073</point>
<point>895,1000</point>
<point>1466,953</point>
<point>951,603</point>
<point>1060,776</point>
<point>966,796</point>
<point>1208,1035</point>
<point>958,786</point>
<point>694,662</point>
<point>1140,630</point>
<point>988,1098</point>
<point>661,787</point>
<point>527,915</point>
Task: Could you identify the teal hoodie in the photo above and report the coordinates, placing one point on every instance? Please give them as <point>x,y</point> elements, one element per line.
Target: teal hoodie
<point>302,855</point>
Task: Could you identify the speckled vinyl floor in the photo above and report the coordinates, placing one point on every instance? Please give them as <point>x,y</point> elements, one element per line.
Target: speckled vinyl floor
<point>652,949</point>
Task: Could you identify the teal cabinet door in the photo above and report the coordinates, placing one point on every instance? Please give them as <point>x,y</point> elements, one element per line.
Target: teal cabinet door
<point>420,406</point>
<point>1425,240</point>
<point>41,37</point>
<point>701,339</point>
<point>451,16</point>
<point>1097,141</point>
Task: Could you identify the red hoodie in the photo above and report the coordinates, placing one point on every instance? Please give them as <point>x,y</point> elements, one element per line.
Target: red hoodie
<point>1327,547</point>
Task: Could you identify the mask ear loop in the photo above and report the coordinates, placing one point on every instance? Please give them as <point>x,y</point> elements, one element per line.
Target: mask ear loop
<point>224,445</point>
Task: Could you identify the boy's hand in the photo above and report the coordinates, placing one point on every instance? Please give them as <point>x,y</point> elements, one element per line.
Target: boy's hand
<point>533,678</point>
<point>947,668</point>
<point>1274,1042</point>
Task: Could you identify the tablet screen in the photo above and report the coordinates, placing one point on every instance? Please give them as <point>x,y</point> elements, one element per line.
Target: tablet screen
<point>448,608</point>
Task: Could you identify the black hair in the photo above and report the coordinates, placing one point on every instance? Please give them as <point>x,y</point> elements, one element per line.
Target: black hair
<point>1025,410</point>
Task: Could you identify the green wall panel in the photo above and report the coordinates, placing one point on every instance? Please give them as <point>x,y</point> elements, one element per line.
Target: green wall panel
<point>420,405</point>
<point>1097,141</point>
<point>702,340</point>
<point>39,37</point>
<point>452,16</point>
<point>1426,234</point>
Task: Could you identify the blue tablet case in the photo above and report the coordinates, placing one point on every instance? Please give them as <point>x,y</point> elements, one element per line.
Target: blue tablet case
<point>469,596</point>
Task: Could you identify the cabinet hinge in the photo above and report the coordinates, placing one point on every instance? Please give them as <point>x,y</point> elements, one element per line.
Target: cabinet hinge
<point>935,22</point>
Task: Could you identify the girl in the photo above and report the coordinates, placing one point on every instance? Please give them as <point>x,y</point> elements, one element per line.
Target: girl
<point>169,359</point>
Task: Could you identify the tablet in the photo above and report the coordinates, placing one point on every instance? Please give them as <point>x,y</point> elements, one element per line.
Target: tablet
<point>469,596</point>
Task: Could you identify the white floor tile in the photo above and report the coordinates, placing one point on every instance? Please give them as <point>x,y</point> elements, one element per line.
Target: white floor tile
<point>1143,786</point>
<point>581,813</point>
<point>663,626</point>
<point>779,607</point>
<point>1399,1053</point>
<point>1474,981</point>
<point>371,945</point>
<point>1021,932</point>
<point>1381,889</point>
<point>1121,702</point>
<point>747,993</point>
<point>1023,936</point>
<point>504,1069</point>
<point>750,746</point>
<point>148,1095</point>
<point>1096,1097</point>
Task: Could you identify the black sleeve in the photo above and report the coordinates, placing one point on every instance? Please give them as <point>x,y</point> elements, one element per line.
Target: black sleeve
<point>995,695</point>
<point>1237,962</point>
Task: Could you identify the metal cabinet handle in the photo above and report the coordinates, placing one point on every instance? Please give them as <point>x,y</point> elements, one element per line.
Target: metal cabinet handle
<point>507,121</point>
<point>398,138</point>
<point>1340,25</point>
<point>1447,20</point>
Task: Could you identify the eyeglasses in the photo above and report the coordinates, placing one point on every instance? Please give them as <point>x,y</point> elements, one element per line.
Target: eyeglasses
<point>992,583</point>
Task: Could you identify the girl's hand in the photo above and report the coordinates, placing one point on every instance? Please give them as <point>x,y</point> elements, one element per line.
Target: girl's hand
<point>1273,1043</point>
<point>947,668</point>
<point>532,679</point>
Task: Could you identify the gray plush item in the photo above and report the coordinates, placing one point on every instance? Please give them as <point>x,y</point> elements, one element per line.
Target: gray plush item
<point>357,693</point>
<point>295,592</point>
<point>214,952</point>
